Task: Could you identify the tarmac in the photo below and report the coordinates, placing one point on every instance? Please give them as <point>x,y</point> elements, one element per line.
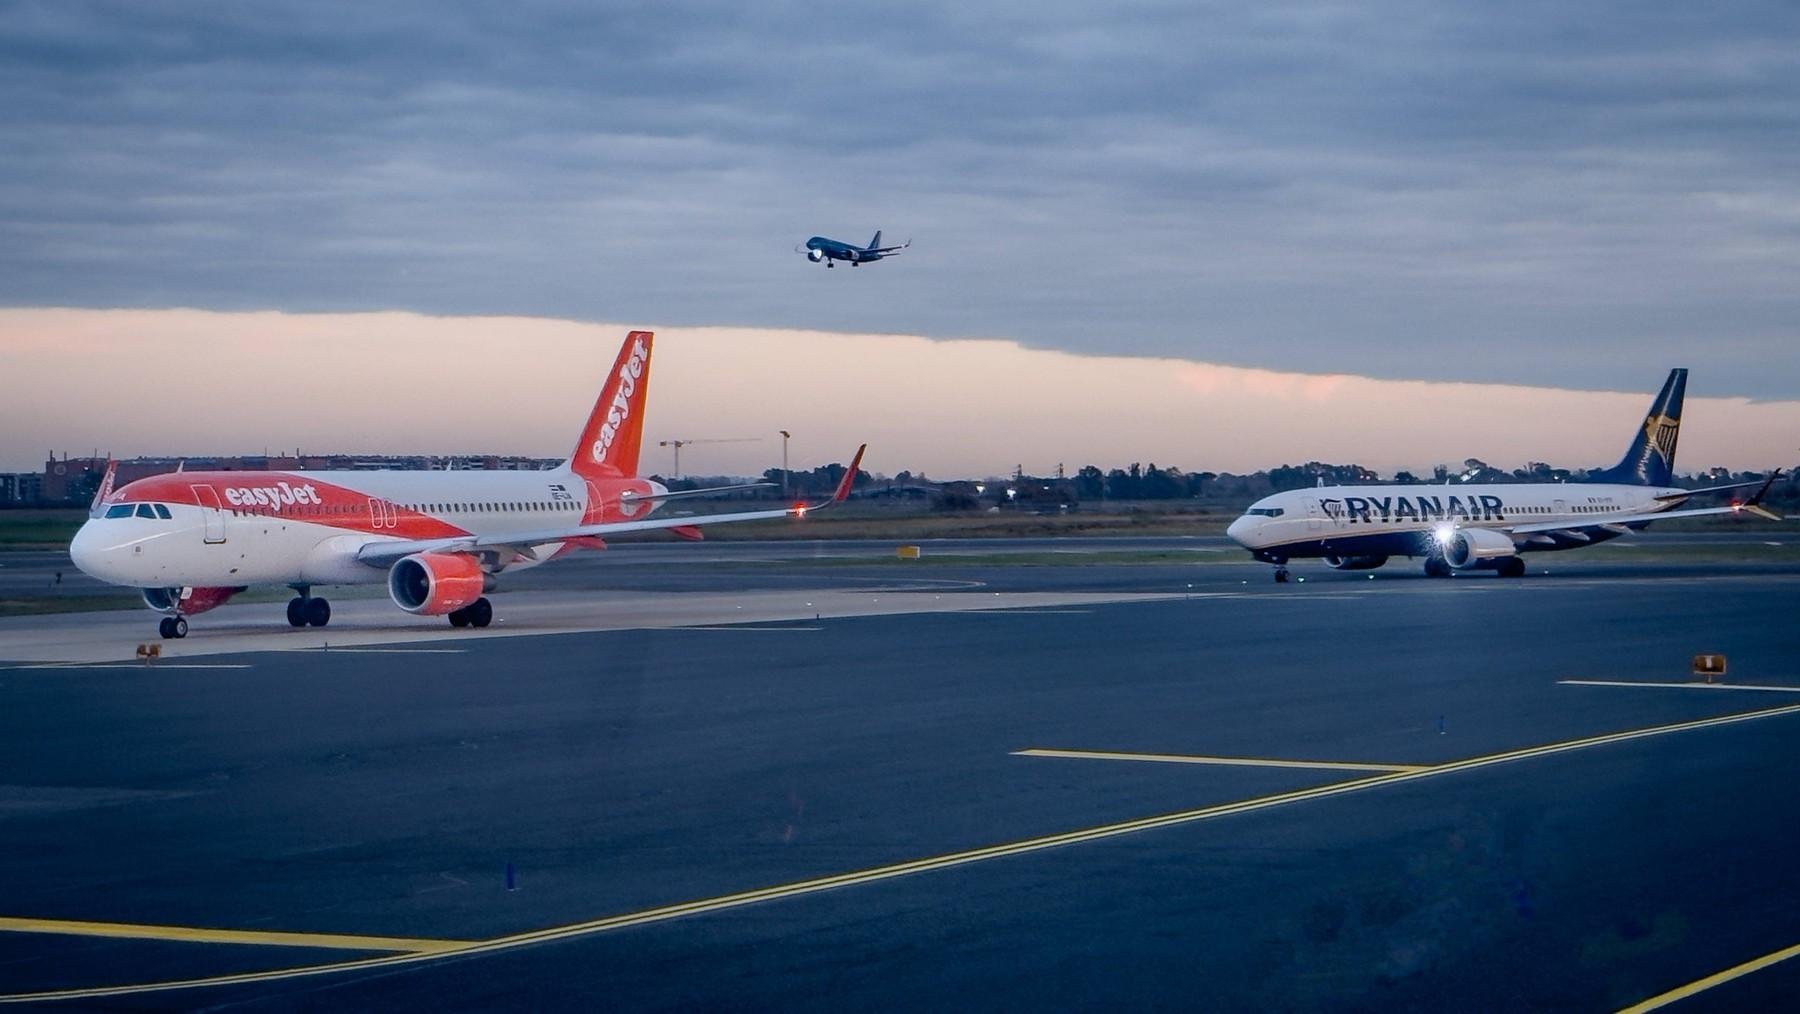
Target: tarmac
<point>798,778</point>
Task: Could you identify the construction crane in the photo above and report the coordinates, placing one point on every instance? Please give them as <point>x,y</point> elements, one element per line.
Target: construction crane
<point>679,444</point>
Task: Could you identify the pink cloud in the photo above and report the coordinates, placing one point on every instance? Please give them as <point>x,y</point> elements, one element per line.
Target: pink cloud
<point>193,381</point>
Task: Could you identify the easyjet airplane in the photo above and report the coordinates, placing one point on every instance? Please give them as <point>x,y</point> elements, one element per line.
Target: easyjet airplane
<point>192,540</point>
<point>1486,526</point>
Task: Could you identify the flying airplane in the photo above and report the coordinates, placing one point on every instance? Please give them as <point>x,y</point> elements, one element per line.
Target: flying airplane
<point>820,248</point>
<point>1486,526</point>
<point>192,540</point>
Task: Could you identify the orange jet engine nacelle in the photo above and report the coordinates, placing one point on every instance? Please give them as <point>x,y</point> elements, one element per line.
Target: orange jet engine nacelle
<point>432,584</point>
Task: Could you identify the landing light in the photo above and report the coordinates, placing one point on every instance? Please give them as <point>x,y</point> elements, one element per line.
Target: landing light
<point>1443,534</point>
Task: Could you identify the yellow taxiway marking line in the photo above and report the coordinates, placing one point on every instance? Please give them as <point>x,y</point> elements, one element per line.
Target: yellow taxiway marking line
<point>196,934</point>
<point>1716,979</point>
<point>903,869</point>
<point>1678,686</point>
<point>1248,762</point>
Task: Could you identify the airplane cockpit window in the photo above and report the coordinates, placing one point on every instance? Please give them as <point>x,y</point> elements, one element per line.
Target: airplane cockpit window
<point>119,510</point>
<point>162,511</point>
<point>1265,512</point>
<point>144,511</point>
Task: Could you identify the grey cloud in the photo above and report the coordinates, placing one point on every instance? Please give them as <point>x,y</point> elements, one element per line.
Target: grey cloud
<point>1529,193</point>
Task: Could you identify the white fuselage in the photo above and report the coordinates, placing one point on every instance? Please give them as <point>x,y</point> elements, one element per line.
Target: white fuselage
<point>1405,520</point>
<point>226,529</point>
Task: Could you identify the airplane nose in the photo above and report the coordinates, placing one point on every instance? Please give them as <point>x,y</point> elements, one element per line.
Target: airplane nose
<point>1239,531</point>
<point>84,549</point>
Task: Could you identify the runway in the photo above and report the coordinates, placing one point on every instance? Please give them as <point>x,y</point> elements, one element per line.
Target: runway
<point>1107,785</point>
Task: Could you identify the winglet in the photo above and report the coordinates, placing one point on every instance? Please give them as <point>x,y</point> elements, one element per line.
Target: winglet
<point>843,489</point>
<point>105,489</point>
<point>1754,504</point>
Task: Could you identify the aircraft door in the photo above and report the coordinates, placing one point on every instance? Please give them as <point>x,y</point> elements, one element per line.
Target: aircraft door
<point>212,512</point>
<point>1562,508</point>
<point>1313,515</point>
<point>382,514</point>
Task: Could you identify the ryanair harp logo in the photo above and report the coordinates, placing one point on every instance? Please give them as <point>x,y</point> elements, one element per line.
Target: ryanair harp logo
<point>1660,432</point>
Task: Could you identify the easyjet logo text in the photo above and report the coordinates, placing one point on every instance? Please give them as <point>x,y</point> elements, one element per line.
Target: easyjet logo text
<point>620,409</point>
<point>279,495</point>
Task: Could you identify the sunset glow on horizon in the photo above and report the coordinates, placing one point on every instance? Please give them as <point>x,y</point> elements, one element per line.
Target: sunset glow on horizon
<point>196,382</point>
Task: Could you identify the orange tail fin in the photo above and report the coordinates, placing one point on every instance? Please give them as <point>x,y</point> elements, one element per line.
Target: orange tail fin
<point>609,442</point>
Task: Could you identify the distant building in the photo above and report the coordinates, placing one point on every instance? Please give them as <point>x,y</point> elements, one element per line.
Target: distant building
<point>18,489</point>
<point>70,481</point>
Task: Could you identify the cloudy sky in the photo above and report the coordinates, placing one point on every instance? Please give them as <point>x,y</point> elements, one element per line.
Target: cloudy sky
<point>1567,195</point>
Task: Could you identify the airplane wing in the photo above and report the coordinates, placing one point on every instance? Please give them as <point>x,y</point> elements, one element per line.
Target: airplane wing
<point>890,249</point>
<point>1684,494</point>
<point>1620,522</point>
<point>678,494</point>
<point>382,554</point>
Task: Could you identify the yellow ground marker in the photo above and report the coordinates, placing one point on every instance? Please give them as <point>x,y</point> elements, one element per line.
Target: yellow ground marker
<point>841,880</point>
<point>195,934</point>
<point>1245,762</point>
<point>1716,979</point>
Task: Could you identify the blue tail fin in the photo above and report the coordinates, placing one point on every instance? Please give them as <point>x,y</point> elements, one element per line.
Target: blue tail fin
<point>876,241</point>
<point>1650,460</point>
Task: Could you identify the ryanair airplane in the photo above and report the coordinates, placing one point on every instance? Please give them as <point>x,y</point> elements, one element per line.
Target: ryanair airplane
<point>1489,526</point>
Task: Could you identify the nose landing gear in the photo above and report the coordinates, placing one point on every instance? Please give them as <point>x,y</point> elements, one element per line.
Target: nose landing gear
<point>1281,575</point>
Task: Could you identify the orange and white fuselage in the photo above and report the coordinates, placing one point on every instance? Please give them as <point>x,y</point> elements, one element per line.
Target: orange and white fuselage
<point>245,528</point>
<point>190,540</point>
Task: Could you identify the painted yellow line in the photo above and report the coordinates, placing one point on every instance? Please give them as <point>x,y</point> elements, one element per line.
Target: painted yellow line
<point>904,869</point>
<point>1678,686</point>
<point>1247,762</point>
<point>195,934</point>
<point>1716,979</point>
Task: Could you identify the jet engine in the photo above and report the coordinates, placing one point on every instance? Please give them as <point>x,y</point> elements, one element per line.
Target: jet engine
<point>815,255</point>
<point>852,254</point>
<point>433,584</point>
<point>1354,562</point>
<point>187,601</point>
<point>1471,547</point>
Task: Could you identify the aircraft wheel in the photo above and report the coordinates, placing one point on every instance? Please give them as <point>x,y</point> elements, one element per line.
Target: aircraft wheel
<point>1512,566</point>
<point>481,613</point>
<point>296,612</point>
<point>318,612</point>
<point>1281,575</point>
<point>1435,567</point>
<point>164,629</point>
<point>460,618</point>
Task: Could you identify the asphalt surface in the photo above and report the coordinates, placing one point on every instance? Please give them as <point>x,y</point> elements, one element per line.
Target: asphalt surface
<point>621,771</point>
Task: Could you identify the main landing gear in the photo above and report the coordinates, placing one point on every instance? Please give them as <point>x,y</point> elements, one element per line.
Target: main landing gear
<point>1435,566</point>
<point>1512,566</point>
<point>173,628</point>
<point>306,611</point>
<point>478,613</point>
